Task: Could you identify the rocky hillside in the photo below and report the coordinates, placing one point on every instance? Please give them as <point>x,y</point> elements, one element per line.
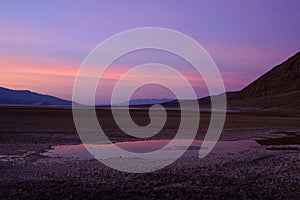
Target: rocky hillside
<point>283,78</point>
<point>278,88</point>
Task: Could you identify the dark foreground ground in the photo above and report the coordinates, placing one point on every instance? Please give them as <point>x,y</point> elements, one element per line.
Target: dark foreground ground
<point>271,171</point>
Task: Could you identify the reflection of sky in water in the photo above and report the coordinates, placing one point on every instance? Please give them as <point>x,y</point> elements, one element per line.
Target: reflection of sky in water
<point>80,152</point>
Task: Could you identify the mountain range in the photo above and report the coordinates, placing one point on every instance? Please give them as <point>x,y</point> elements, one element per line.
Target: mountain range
<point>143,102</point>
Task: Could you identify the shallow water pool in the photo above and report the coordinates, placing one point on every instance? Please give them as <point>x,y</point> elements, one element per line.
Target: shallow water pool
<point>107,150</point>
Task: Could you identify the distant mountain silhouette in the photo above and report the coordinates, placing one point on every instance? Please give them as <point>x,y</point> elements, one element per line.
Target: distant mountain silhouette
<point>278,88</point>
<point>133,102</point>
<point>26,97</point>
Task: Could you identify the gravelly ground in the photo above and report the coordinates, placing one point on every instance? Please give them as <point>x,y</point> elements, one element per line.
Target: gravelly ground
<point>253,174</point>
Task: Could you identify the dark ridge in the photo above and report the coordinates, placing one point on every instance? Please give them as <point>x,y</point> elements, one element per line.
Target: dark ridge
<point>203,102</point>
<point>26,97</point>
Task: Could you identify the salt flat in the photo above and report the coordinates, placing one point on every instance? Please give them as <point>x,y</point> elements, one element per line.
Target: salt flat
<point>256,172</point>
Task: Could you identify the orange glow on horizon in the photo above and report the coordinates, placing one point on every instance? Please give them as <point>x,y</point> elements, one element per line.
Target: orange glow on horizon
<point>57,77</point>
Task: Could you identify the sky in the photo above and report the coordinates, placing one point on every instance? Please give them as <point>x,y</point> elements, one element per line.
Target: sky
<point>43,43</point>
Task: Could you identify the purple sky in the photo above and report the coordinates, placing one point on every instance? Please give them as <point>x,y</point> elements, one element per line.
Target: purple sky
<point>44,42</point>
